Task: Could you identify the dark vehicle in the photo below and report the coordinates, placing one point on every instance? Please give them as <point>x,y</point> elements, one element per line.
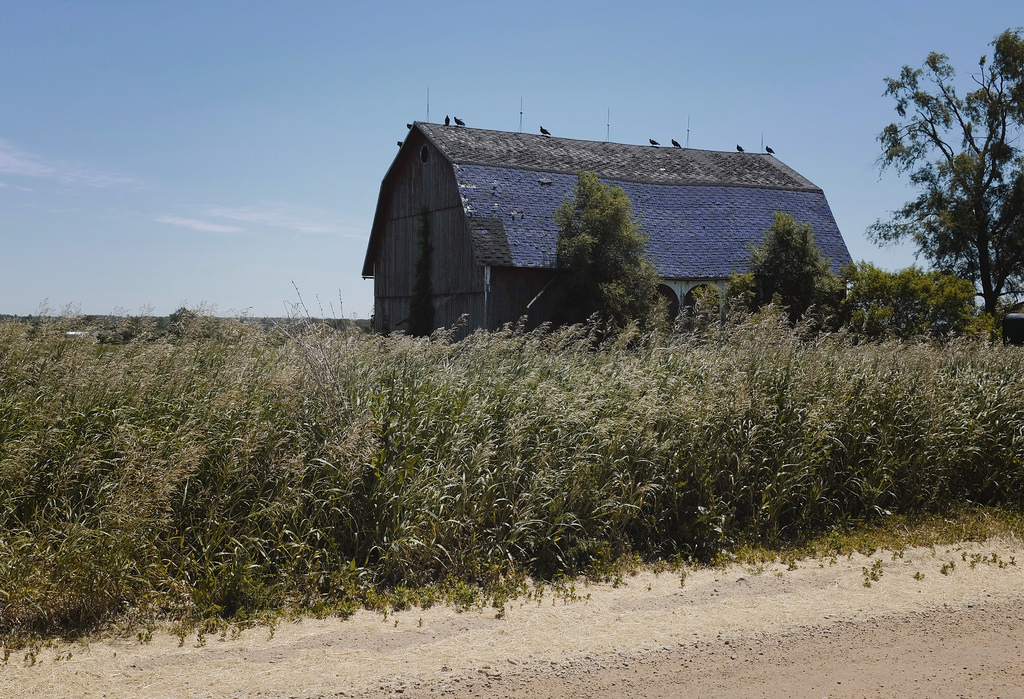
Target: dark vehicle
<point>1013,329</point>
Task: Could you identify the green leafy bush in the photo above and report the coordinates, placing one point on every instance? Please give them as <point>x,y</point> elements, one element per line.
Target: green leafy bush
<point>907,303</point>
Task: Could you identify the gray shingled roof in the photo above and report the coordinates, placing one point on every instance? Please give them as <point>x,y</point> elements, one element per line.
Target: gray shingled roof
<point>612,161</point>
<point>700,208</point>
<point>696,232</point>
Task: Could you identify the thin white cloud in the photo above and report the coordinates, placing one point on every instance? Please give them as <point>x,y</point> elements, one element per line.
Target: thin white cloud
<point>194,224</point>
<point>14,161</point>
<point>276,216</point>
<point>4,185</point>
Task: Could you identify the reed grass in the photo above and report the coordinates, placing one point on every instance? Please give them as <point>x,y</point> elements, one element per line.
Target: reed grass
<point>229,471</point>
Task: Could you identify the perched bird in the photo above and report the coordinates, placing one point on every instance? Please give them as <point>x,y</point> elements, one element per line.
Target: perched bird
<point>653,142</point>
<point>447,121</point>
<point>768,149</point>
<point>408,126</point>
<point>739,148</point>
<point>400,143</point>
<point>675,143</point>
<point>545,131</point>
<point>459,122</point>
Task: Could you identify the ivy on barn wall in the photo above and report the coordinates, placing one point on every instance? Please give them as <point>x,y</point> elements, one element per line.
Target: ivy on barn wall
<point>421,306</point>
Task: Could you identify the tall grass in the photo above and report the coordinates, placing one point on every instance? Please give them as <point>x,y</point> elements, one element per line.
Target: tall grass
<point>227,469</point>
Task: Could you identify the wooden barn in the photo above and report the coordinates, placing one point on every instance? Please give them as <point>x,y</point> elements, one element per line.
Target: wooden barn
<point>488,199</point>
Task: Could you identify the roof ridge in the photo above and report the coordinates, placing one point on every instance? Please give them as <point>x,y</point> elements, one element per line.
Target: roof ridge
<point>611,160</point>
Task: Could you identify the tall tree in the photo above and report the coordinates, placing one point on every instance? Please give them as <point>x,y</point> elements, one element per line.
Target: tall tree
<point>789,268</point>
<point>964,155</point>
<point>603,249</point>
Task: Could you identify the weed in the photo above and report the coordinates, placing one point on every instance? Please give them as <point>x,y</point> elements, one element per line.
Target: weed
<point>146,635</point>
<point>919,576</point>
<point>948,568</point>
<point>872,574</point>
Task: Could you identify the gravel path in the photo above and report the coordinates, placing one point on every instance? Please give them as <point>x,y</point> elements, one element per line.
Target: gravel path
<point>933,622</point>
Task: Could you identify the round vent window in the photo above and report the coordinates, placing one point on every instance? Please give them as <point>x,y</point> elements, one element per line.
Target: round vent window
<point>424,154</point>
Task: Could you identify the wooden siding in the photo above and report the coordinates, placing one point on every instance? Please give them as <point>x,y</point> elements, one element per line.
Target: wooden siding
<point>512,289</point>
<point>456,279</point>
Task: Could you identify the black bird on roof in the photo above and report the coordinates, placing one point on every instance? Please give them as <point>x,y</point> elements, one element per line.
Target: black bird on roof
<point>675,143</point>
<point>739,148</point>
<point>408,126</point>
<point>545,131</point>
<point>459,122</point>
<point>653,142</point>
<point>400,143</point>
<point>447,121</point>
<point>768,149</point>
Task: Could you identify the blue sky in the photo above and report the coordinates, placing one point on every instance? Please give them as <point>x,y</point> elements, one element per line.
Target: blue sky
<point>154,155</point>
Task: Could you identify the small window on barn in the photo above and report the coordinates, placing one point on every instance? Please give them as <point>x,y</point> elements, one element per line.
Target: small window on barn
<point>424,154</point>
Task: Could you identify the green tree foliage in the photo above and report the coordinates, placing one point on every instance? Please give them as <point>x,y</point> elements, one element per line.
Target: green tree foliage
<point>791,270</point>
<point>741,291</point>
<point>907,303</point>
<point>421,307</point>
<point>603,248</point>
<point>964,156</point>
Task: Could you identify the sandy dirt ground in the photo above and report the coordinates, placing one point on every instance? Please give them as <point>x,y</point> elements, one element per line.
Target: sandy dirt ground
<point>774,630</point>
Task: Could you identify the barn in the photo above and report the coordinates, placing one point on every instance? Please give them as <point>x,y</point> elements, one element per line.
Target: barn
<point>488,197</point>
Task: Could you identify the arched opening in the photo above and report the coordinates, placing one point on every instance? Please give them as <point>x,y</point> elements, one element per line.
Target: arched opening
<point>671,301</point>
<point>690,300</point>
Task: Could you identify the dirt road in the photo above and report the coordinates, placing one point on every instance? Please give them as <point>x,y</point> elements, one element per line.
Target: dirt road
<point>942,622</point>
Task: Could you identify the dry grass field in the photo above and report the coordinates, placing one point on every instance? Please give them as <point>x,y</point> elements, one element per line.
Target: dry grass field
<point>208,481</point>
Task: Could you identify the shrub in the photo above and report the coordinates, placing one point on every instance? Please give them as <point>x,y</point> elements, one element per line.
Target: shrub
<point>906,303</point>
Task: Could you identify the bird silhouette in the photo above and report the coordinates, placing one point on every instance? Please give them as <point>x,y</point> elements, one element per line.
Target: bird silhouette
<point>739,148</point>
<point>675,143</point>
<point>653,142</point>
<point>400,143</point>
<point>447,121</point>
<point>408,126</point>
<point>545,131</point>
<point>459,122</point>
<point>768,149</point>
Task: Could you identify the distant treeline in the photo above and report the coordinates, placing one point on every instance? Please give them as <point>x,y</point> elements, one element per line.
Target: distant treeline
<point>117,329</point>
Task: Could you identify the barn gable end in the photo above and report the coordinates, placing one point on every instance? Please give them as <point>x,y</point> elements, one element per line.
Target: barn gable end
<point>422,180</point>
